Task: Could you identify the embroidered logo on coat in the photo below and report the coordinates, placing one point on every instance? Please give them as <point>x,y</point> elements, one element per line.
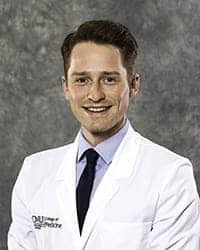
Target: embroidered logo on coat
<point>43,222</point>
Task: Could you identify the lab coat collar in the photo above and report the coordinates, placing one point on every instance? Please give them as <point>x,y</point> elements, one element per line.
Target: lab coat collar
<point>65,171</point>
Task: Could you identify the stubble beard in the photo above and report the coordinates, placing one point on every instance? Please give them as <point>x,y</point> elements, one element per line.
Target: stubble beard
<point>105,131</point>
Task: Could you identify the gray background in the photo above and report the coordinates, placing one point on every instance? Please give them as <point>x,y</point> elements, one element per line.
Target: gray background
<point>33,113</point>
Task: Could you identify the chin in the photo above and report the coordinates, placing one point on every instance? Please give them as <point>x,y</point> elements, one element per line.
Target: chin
<point>102,128</point>
<point>97,131</point>
<point>102,131</point>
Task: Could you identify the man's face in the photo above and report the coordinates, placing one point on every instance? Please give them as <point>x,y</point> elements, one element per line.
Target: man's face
<point>97,89</point>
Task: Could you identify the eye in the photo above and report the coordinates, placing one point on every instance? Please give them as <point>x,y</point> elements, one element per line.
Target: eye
<point>81,80</point>
<point>109,80</point>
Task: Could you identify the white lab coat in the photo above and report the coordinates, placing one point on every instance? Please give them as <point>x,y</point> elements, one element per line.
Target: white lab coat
<point>146,200</point>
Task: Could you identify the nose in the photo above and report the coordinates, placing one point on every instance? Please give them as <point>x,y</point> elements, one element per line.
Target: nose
<point>95,92</point>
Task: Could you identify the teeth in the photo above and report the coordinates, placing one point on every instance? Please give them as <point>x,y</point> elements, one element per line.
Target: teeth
<point>96,109</point>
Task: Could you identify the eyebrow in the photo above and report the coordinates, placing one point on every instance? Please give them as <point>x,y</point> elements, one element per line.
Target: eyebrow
<point>103,73</point>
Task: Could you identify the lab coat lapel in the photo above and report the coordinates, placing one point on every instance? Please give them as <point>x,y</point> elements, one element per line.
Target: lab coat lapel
<point>121,167</point>
<point>66,189</point>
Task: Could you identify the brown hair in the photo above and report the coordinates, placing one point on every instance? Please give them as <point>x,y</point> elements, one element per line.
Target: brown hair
<point>103,32</point>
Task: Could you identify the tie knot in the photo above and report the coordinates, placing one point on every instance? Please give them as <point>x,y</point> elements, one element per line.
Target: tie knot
<point>91,156</point>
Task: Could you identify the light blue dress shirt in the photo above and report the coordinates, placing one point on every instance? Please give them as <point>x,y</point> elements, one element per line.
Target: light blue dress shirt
<point>106,151</point>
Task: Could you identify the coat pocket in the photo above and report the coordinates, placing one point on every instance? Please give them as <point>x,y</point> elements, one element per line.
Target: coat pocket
<point>126,236</point>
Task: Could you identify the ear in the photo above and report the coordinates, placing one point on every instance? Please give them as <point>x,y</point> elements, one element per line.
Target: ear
<point>134,84</point>
<point>65,87</point>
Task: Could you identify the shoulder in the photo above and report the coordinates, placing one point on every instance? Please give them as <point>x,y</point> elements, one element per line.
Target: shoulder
<point>40,166</point>
<point>156,158</point>
<point>48,155</point>
<point>162,168</point>
<point>161,153</point>
<point>48,159</point>
<point>160,161</point>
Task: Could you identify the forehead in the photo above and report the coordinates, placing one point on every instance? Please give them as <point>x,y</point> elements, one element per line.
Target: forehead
<point>91,56</point>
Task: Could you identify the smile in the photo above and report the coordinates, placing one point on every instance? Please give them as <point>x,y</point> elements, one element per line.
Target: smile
<point>97,109</point>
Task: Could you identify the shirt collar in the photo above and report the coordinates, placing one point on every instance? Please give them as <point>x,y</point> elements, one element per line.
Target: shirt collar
<point>106,149</point>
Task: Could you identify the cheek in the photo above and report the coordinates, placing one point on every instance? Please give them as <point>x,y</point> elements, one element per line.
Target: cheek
<point>75,96</point>
<point>124,97</point>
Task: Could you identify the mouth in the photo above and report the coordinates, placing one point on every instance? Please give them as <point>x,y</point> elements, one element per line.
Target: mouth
<point>97,109</point>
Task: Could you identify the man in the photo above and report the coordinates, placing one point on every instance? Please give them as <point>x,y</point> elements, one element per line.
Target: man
<point>112,188</point>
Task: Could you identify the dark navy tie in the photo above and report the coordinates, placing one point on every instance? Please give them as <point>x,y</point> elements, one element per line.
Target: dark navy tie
<point>85,185</point>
